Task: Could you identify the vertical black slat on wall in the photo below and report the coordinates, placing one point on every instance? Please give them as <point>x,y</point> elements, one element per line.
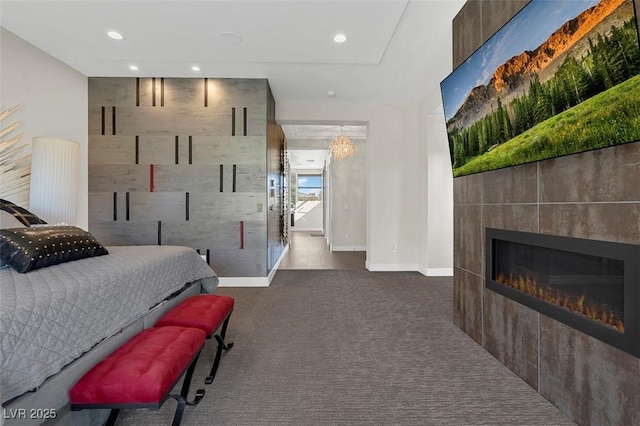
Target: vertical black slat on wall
<point>162,91</point>
<point>115,206</point>
<point>244,121</point>
<point>177,149</point>
<point>153,92</point>
<point>206,92</point>
<point>187,206</point>
<point>103,121</point>
<point>208,256</point>
<point>159,232</point>
<point>221,178</point>
<point>137,91</point>
<point>126,204</point>
<point>113,120</point>
<point>137,149</point>
<point>234,178</point>
<point>190,150</point>
<point>233,121</point>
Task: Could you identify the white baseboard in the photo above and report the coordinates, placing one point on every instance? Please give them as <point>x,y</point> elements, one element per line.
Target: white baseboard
<point>243,282</point>
<point>252,281</point>
<point>410,267</point>
<point>348,248</point>
<point>382,267</point>
<point>437,272</point>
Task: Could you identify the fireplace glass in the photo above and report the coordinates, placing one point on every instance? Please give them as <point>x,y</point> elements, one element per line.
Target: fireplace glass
<point>592,286</point>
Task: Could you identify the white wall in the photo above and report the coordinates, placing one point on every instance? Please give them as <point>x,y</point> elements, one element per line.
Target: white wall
<point>349,200</point>
<point>409,186</point>
<point>308,216</point>
<point>53,97</point>
<point>436,255</point>
<point>392,165</point>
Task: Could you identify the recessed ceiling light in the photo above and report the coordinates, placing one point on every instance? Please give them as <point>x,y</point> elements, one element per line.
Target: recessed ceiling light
<point>340,38</point>
<point>331,93</point>
<point>133,68</point>
<point>195,68</point>
<point>115,35</point>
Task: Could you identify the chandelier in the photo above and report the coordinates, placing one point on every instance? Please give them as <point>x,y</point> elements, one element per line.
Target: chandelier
<point>342,147</point>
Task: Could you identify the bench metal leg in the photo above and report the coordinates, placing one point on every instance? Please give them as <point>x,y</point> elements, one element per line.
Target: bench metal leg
<point>112,417</point>
<point>223,332</point>
<point>184,393</point>
<point>186,384</point>
<point>182,402</point>
<point>221,345</point>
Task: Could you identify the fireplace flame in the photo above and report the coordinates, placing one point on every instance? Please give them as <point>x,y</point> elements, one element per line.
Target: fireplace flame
<point>581,302</point>
<point>529,285</point>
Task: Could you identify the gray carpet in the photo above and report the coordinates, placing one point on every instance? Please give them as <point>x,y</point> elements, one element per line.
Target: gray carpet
<point>354,348</point>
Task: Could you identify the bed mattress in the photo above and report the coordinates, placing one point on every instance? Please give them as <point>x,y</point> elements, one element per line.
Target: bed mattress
<point>51,316</point>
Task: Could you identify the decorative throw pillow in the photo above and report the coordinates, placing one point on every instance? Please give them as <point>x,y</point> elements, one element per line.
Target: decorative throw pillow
<point>26,249</point>
<point>20,213</point>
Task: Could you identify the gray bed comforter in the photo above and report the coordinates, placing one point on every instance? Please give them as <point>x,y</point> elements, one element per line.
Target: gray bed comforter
<point>51,316</point>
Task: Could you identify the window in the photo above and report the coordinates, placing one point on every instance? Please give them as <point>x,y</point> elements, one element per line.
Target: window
<point>309,188</point>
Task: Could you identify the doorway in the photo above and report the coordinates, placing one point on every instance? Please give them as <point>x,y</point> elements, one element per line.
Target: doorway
<point>329,225</point>
<point>307,201</point>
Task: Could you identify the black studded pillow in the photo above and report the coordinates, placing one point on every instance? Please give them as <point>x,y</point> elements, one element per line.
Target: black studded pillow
<point>23,215</point>
<point>26,249</point>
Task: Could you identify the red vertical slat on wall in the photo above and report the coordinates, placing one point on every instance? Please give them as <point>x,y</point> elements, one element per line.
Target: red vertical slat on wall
<point>151,183</point>
<point>242,234</point>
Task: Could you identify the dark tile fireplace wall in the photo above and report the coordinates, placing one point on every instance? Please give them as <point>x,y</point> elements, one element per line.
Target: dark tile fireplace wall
<point>593,195</point>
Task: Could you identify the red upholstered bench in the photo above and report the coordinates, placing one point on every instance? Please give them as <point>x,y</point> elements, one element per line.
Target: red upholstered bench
<point>206,312</point>
<point>142,372</point>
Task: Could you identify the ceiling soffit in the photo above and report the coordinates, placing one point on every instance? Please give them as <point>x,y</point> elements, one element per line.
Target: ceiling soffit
<point>157,32</point>
<point>396,51</point>
<point>321,131</point>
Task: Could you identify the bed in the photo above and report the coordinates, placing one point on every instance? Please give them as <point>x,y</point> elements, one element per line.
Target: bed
<point>57,321</point>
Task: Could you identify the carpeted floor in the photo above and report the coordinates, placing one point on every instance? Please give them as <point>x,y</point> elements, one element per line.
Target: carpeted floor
<point>346,347</point>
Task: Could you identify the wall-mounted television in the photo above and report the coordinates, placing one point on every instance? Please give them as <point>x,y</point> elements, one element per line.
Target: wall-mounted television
<point>560,77</point>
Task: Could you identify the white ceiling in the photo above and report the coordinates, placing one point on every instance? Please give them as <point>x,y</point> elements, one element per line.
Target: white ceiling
<point>308,159</point>
<point>308,144</point>
<point>328,132</point>
<point>397,50</point>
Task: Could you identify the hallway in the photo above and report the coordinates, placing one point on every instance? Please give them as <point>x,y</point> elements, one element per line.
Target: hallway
<point>309,250</point>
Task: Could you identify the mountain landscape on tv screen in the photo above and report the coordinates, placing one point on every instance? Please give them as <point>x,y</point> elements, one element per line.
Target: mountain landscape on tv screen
<point>577,90</point>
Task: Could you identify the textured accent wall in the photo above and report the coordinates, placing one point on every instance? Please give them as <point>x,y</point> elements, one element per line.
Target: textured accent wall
<point>589,195</point>
<point>276,214</point>
<point>184,162</point>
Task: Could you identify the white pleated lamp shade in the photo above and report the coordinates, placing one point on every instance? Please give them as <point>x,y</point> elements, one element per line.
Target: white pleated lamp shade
<point>55,165</point>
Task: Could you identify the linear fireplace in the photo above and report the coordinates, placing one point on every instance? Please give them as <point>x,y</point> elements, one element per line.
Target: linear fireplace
<point>592,286</point>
